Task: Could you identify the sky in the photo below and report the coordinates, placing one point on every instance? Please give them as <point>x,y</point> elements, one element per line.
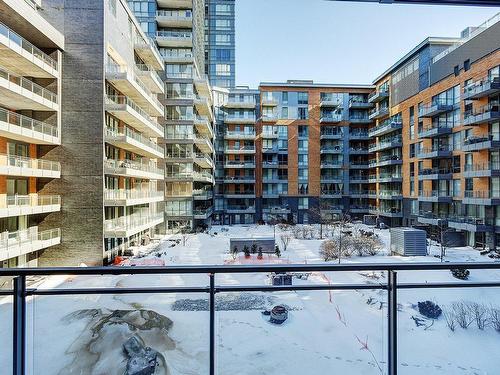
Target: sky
<point>336,42</point>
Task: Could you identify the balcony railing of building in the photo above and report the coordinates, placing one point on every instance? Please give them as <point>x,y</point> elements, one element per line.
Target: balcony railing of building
<point>123,100</point>
<point>439,150</point>
<point>436,129</point>
<point>126,132</point>
<point>144,167</point>
<point>122,194</point>
<point>247,100</point>
<point>239,148</point>
<point>483,87</point>
<point>235,133</point>
<point>478,113</point>
<point>25,237</point>
<point>391,124</point>
<point>28,85</point>
<point>434,194</point>
<point>25,122</point>
<point>13,37</point>
<point>330,117</point>
<point>482,167</point>
<point>176,54</point>
<point>181,15</point>
<point>358,134</point>
<point>29,200</point>
<point>24,163</point>
<point>482,194</point>
<point>143,68</point>
<point>436,107</point>
<point>441,172</point>
<point>174,34</point>
<point>130,222</point>
<point>23,296</point>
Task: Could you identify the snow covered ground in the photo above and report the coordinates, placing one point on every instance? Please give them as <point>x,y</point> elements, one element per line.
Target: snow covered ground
<point>341,332</point>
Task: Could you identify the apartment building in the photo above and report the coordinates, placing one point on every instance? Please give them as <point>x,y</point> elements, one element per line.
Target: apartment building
<point>112,184</point>
<point>30,129</point>
<point>189,134</point>
<point>236,113</point>
<point>220,64</point>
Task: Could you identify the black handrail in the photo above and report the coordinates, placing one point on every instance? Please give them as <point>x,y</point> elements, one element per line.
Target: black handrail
<point>20,291</point>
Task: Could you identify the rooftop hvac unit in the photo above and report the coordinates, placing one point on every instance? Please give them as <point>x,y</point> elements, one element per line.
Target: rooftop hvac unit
<point>408,241</point>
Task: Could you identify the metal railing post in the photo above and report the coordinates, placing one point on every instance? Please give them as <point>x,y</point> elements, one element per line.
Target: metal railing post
<point>392,323</point>
<point>212,324</point>
<point>19,326</point>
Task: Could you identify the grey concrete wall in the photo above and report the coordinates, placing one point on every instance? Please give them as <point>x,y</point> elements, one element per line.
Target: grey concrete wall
<point>82,149</point>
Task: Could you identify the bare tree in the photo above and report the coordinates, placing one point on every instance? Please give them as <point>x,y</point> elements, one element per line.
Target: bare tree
<point>184,235</point>
<point>316,216</point>
<point>285,240</point>
<point>449,316</point>
<point>479,313</point>
<point>462,314</point>
<point>494,317</point>
<point>340,226</point>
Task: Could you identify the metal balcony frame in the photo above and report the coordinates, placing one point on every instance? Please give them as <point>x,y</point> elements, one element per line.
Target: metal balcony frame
<point>20,292</point>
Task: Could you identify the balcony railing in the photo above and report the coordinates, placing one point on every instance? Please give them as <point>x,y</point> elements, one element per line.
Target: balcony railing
<point>24,163</point>
<point>9,240</point>
<point>24,298</point>
<point>27,46</point>
<point>143,167</point>
<point>13,118</point>
<point>125,194</point>
<point>28,85</point>
<point>126,132</point>
<point>131,222</point>
<point>174,34</point>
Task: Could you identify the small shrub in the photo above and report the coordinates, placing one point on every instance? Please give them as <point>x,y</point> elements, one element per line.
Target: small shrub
<point>462,314</point>
<point>246,250</point>
<point>254,248</point>
<point>429,309</point>
<point>234,253</point>
<point>277,251</point>
<point>449,316</point>
<point>479,314</point>
<point>259,253</point>
<point>460,273</point>
<point>494,318</point>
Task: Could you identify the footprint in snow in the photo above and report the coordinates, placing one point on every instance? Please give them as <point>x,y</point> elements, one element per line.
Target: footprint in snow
<point>462,368</point>
<point>326,357</point>
<point>338,358</point>
<point>404,364</point>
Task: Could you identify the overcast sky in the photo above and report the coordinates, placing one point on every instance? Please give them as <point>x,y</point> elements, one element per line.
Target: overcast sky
<point>336,42</point>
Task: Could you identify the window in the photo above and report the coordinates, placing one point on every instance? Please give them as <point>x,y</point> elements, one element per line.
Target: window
<point>222,24</point>
<point>222,38</point>
<point>284,112</point>
<point>303,174</point>
<point>467,64</point>
<point>284,97</point>
<point>223,69</point>
<point>303,113</point>
<point>412,122</point>
<point>303,203</point>
<point>303,160</point>
<point>303,131</point>
<point>456,70</point>
<point>303,145</point>
<point>303,189</point>
<point>303,98</point>
<point>223,54</point>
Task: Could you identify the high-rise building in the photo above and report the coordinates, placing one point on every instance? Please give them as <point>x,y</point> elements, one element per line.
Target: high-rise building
<point>220,42</point>
<point>111,185</point>
<point>30,130</point>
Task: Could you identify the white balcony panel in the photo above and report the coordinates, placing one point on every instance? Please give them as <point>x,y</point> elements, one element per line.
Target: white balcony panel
<point>129,112</point>
<point>25,129</point>
<point>134,142</point>
<point>131,197</point>
<point>128,168</point>
<point>14,244</point>
<point>18,205</point>
<point>23,58</point>
<point>126,226</point>
<point>21,93</point>
<point>11,165</point>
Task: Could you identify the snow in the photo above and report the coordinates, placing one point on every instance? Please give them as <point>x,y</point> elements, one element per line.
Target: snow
<point>340,332</point>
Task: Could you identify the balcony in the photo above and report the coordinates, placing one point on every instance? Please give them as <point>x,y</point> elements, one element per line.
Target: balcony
<point>236,209</point>
<point>386,127</point>
<point>431,218</point>
<point>204,126</point>
<point>435,174</point>
<point>130,168</point>
<point>148,52</point>
<point>358,151</point>
<point>470,224</point>
<point>363,164</point>
<point>331,134</point>
<point>436,108</point>
<point>482,198</point>
<point>330,118</point>
<point>240,164</point>
<point>175,18</point>
<point>204,144</point>
<point>151,78</point>
<point>17,93</point>
<point>175,4</point>
<point>126,226</point>
<point>359,104</point>
<point>237,103</point>
<point>386,144</point>
<point>385,161</point>
<point>393,212</point>
<point>480,143</point>
<point>174,39</point>
<point>328,101</point>
<point>126,81</point>
<point>203,107</point>
<point>359,179</point>
<point>482,115</point>
<point>134,142</point>
<point>379,112</point>
<point>269,117</point>
<point>267,101</point>
<point>25,129</point>
<point>201,177</point>
<point>329,149</point>
<point>436,196</point>
<point>12,165</point>
<point>389,177</point>
<point>378,95</point>
<point>239,149</point>
<point>129,112</point>
<point>177,57</point>
<point>435,152</point>
<point>239,135</point>
<point>481,89</point>
<point>233,119</point>
<point>277,210</point>
<point>361,135</point>
<point>491,169</point>
<point>358,193</point>
<point>357,209</point>
<point>331,164</point>
<point>132,197</point>
<point>436,130</point>
<point>202,213</point>
<point>275,179</point>
<point>202,195</point>
<point>238,194</point>
<point>360,120</point>
<point>331,209</point>
<point>19,205</point>
<point>390,194</point>
<point>331,179</point>
<point>21,242</point>
<point>21,57</point>
<point>204,161</point>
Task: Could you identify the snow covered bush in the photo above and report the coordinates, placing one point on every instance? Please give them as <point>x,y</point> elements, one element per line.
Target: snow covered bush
<point>362,246</point>
<point>449,316</point>
<point>494,318</point>
<point>460,273</point>
<point>462,314</point>
<point>429,309</point>
<point>337,247</point>
<point>479,313</point>
<point>285,240</point>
